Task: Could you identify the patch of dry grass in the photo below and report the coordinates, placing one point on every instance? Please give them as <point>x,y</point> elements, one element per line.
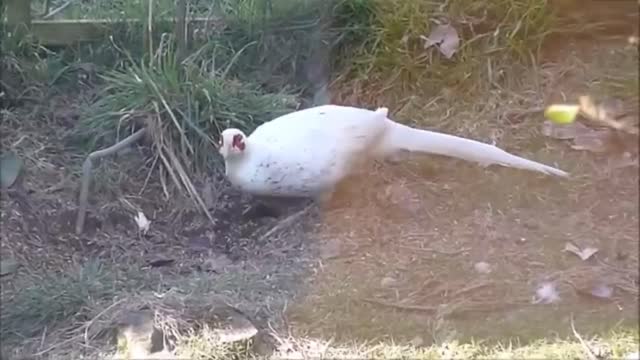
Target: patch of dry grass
<point>615,344</point>
<point>78,311</point>
<point>497,38</point>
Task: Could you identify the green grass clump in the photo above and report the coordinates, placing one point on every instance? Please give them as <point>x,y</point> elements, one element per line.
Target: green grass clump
<point>281,39</point>
<point>495,37</point>
<point>278,36</point>
<point>43,300</point>
<point>187,103</point>
<point>182,105</point>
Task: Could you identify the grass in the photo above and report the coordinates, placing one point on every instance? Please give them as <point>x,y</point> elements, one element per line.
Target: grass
<point>614,345</point>
<point>45,299</point>
<point>499,37</point>
<point>189,102</point>
<point>83,304</point>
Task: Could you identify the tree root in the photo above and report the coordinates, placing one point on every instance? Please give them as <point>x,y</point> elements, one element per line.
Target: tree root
<point>86,173</point>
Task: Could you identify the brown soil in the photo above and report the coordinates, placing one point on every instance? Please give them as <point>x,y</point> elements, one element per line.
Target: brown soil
<point>401,262</point>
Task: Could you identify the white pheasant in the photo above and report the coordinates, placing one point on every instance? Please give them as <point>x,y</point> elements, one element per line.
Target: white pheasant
<point>308,152</point>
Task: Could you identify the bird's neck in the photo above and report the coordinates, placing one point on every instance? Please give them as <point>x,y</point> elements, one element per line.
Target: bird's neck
<point>234,162</point>
<point>237,164</point>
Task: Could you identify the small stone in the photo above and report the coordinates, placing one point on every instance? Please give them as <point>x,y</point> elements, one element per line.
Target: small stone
<point>230,324</point>
<point>602,291</point>
<point>137,335</point>
<point>482,267</point>
<point>330,249</point>
<point>388,281</point>
<point>7,266</point>
<point>416,341</point>
<point>546,294</point>
<point>633,356</point>
<point>216,263</point>
<point>199,244</point>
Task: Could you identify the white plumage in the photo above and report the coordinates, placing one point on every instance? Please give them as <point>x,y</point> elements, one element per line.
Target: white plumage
<point>307,152</point>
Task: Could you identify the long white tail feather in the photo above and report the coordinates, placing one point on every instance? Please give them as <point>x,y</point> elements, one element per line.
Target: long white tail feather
<point>417,140</point>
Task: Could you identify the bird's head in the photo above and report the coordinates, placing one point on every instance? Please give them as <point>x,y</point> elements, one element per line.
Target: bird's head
<point>232,142</point>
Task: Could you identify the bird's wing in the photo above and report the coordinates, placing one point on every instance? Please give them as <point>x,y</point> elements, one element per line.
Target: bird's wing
<point>342,130</point>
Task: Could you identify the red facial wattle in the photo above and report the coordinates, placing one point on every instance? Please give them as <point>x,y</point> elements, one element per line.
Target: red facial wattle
<point>238,142</point>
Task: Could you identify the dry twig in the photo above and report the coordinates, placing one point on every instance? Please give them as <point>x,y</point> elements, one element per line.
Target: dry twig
<point>55,11</point>
<point>587,348</point>
<point>86,173</point>
<point>286,221</point>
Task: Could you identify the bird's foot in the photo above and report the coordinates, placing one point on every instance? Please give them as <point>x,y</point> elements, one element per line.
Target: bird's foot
<point>259,209</point>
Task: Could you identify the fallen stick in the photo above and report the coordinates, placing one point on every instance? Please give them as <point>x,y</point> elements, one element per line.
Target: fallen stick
<point>590,354</point>
<point>401,306</point>
<point>285,222</point>
<point>51,14</point>
<point>86,173</point>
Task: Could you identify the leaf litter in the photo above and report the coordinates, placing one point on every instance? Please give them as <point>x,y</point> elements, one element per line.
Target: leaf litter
<point>445,38</point>
<point>611,127</point>
<point>584,254</point>
<point>546,293</point>
<point>10,166</point>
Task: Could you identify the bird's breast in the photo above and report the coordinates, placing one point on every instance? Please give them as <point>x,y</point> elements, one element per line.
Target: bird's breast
<point>279,178</point>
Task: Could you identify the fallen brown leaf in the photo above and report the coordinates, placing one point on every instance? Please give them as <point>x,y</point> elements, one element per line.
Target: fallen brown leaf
<point>583,254</point>
<point>445,38</point>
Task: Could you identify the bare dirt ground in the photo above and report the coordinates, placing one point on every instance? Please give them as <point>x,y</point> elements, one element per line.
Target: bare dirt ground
<point>396,258</point>
<point>457,252</point>
<point>182,252</point>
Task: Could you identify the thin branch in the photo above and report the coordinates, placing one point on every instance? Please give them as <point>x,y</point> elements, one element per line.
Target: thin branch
<point>598,115</point>
<point>86,173</point>
<point>47,6</point>
<point>401,306</point>
<point>584,344</point>
<point>180,29</point>
<point>286,222</point>
<point>56,11</point>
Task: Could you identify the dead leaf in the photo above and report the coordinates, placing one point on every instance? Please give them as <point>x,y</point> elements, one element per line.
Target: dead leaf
<point>388,281</point>
<point>584,138</point>
<point>546,293</point>
<point>482,267</point>
<point>602,291</point>
<point>207,194</point>
<point>142,221</point>
<point>10,166</point>
<point>564,132</point>
<point>597,141</point>
<point>445,38</point>
<point>583,254</point>
<point>605,114</point>
<point>632,356</point>
<point>160,262</point>
<point>623,161</point>
<point>416,341</point>
<point>8,266</point>
<point>216,263</point>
